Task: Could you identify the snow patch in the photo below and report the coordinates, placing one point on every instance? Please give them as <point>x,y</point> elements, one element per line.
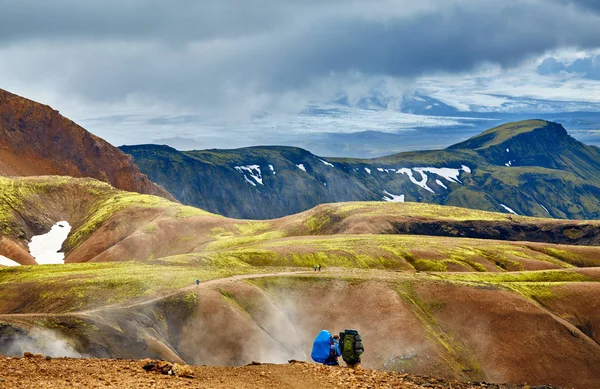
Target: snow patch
<point>465,168</point>
<point>45,248</point>
<point>440,183</point>
<point>545,209</point>
<point>368,170</point>
<point>446,172</point>
<point>422,183</point>
<point>325,183</point>
<point>508,150</point>
<point>272,169</point>
<point>392,198</point>
<point>380,169</point>
<point>253,171</point>
<point>325,162</point>
<point>508,209</point>
<point>8,262</point>
<point>301,166</point>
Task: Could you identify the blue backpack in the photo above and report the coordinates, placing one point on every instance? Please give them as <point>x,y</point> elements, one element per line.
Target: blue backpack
<point>321,347</point>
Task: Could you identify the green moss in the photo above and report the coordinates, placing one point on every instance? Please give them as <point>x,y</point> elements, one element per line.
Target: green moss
<point>530,276</point>
<point>252,227</point>
<point>500,134</point>
<point>427,265</point>
<point>82,286</point>
<point>455,354</point>
<point>316,223</point>
<point>573,233</point>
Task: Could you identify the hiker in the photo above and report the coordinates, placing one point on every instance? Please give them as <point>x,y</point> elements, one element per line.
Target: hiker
<point>197,281</point>
<point>334,351</point>
<point>326,349</point>
<point>315,267</point>
<point>352,348</point>
<point>319,267</point>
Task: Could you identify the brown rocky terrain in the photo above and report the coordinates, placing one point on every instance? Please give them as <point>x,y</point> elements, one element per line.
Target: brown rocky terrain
<point>37,372</point>
<point>36,140</point>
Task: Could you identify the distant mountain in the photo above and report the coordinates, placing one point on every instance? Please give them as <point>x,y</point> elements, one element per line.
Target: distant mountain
<point>529,168</point>
<point>36,140</point>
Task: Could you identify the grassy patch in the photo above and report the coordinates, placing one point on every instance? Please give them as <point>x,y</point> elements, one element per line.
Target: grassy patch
<point>497,135</point>
<point>531,276</point>
<point>82,286</point>
<point>455,353</point>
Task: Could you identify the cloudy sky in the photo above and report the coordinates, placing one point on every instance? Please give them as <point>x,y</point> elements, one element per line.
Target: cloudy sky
<point>214,73</point>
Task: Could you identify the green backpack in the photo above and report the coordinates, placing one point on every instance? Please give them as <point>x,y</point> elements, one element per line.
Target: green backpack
<point>351,346</point>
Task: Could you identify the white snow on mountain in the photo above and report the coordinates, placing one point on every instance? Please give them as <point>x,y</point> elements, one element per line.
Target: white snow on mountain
<point>440,183</point>
<point>508,209</point>
<point>45,248</point>
<point>253,171</point>
<point>392,198</point>
<point>448,173</point>
<point>325,162</point>
<point>422,183</point>
<point>301,166</point>
<point>7,261</point>
<point>368,170</point>
<point>272,169</point>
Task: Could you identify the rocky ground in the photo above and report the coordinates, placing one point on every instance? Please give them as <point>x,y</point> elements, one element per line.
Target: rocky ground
<point>44,373</point>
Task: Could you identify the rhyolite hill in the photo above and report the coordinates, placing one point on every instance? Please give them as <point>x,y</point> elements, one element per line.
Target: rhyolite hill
<point>36,140</point>
<point>531,168</point>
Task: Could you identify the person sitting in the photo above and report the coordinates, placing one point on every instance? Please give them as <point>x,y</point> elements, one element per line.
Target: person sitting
<point>334,352</point>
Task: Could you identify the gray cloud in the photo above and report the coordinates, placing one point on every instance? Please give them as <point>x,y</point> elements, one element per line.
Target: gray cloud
<point>588,67</point>
<point>585,4</point>
<point>242,57</point>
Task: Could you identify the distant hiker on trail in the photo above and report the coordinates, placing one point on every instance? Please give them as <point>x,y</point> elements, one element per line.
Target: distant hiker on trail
<point>352,348</point>
<point>315,267</point>
<point>319,267</point>
<point>326,349</point>
<point>197,282</point>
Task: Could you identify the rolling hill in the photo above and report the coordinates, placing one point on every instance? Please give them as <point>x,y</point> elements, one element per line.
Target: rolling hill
<point>432,288</point>
<point>529,168</point>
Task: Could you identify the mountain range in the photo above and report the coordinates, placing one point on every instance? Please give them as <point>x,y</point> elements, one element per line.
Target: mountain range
<point>531,167</point>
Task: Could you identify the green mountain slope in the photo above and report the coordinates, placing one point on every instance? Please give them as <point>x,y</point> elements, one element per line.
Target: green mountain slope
<point>530,168</point>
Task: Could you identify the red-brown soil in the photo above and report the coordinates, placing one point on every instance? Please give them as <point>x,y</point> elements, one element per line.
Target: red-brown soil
<point>36,140</point>
<point>39,373</point>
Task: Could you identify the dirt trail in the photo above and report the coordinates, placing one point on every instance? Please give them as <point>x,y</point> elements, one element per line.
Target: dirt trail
<point>154,299</point>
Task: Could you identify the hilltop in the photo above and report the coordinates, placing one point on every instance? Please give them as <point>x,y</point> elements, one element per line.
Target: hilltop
<point>36,140</point>
<point>531,168</point>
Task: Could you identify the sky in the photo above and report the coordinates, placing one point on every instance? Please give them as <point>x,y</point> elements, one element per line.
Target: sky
<point>213,73</point>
